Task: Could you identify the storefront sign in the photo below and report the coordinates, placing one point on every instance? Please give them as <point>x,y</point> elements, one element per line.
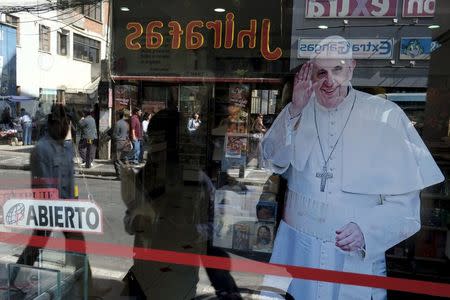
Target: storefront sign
<point>179,39</point>
<point>350,8</point>
<point>192,36</point>
<point>362,48</point>
<point>415,48</point>
<point>419,8</point>
<point>65,215</point>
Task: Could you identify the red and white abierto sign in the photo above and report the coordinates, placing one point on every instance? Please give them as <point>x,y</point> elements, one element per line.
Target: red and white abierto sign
<point>419,8</point>
<point>351,8</point>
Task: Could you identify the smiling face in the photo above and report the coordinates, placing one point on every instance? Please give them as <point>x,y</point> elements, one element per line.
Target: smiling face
<point>334,77</point>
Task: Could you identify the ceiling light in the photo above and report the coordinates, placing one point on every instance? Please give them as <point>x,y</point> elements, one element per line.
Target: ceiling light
<point>219,10</point>
<point>434,26</point>
<point>323,26</point>
<point>124,8</point>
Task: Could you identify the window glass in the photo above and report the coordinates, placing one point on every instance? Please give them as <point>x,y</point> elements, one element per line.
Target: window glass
<point>227,150</point>
<point>15,21</point>
<point>44,38</point>
<point>63,40</point>
<point>86,49</point>
<point>93,11</point>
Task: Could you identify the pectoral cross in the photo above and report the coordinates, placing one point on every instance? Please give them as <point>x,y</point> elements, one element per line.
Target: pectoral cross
<point>324,176</point>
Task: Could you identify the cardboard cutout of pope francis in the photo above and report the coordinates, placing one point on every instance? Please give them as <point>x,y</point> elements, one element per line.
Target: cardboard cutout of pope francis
<point>355,166</point>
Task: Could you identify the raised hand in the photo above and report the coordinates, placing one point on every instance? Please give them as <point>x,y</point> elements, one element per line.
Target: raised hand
<point>303,89</point>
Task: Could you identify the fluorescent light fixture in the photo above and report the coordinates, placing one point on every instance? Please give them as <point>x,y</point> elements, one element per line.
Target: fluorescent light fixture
<point>434,26</point>
<point>219,10</point>
<point>124,8</point>
<point>323,26</point>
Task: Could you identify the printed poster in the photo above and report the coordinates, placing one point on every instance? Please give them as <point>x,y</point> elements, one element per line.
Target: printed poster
<point>235,145</point>
<point>264,236</point>
<point>415,48</point>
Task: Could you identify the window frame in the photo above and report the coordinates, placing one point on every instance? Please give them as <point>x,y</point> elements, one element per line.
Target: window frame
<point>14,21</point>
<point>43,32</point>
<point>89,45</point>
<point>65,34</point>
<point>92,11</point>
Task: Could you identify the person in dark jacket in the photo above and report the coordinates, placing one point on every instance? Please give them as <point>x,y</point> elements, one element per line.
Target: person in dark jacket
<point>52,166</point>
<point>88,139</point>
<point>121,137</point>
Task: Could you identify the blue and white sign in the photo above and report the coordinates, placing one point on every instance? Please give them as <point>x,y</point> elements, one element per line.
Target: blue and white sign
<point>63,215</point>
<point>416,48</point>
<point>362,48</point>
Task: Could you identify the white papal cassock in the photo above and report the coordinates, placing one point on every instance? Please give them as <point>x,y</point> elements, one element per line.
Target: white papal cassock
<point>379,166</point>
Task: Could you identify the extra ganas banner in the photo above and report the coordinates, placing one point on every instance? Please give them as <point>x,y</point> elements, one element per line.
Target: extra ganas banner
<point>189,38</point>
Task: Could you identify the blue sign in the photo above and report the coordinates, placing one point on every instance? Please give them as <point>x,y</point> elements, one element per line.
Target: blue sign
<point>415,48</point>
<point>7,60</point>
<point>361,48</point>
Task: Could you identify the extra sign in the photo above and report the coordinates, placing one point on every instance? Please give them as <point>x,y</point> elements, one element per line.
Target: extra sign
<point>351,9</point>
<point>63,215</point>
<point>361,48</point>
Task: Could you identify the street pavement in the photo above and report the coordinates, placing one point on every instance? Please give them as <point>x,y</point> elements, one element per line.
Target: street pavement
<point>18,158</point>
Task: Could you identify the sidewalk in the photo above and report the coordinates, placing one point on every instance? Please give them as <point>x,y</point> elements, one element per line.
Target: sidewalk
<point>18,158</point>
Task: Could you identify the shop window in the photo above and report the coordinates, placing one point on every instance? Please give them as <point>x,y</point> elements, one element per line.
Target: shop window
<point>14,21</point>
<point>264,101</point>
<point>63,41</point>
<point>44,38</point>
<point>48,95</point>
<point>155,98</point>
<point>86,49</point>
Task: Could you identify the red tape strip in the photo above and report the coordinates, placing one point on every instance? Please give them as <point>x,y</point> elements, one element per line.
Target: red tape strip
<point>235,265</point>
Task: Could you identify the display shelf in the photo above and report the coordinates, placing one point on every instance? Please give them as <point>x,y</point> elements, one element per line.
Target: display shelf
<point>435,228</point>
<point>431,259</point>
<point>393,256</point>
<point>433,196</point>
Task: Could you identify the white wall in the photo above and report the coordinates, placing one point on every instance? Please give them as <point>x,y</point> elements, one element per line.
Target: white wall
<point>37,69</point>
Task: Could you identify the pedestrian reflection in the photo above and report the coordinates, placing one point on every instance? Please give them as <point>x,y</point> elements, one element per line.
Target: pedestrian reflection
<point>52,166</point>
<point>165,212</point>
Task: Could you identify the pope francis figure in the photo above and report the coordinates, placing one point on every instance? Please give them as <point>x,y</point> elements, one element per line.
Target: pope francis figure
<point>355,166</point>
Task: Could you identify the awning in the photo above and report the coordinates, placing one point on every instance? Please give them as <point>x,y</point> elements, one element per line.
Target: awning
<point>89,88</point>
<point>18,98</point>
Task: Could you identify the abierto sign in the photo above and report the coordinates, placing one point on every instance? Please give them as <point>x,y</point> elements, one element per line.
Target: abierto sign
<point>63,215</point>
<point>361,48</point>
<point>350,8</point>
